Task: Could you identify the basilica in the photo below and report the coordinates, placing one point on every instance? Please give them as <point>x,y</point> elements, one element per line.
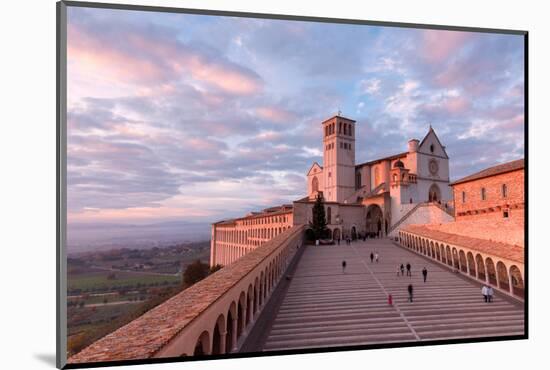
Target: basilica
<point>373,198</point>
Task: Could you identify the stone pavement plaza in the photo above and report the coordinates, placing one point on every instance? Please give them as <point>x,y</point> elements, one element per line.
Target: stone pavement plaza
<point>324,307</point>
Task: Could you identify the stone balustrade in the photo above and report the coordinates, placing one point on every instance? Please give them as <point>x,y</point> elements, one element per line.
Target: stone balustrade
<point>493,263</point>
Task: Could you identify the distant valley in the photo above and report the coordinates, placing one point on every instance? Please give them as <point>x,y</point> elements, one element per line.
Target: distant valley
<point>98,237</point>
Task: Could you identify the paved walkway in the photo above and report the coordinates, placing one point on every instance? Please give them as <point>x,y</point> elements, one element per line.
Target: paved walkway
<point>325,307</point>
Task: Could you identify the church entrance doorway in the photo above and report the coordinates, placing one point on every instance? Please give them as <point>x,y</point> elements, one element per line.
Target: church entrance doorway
<point>353,233</point>
<point>336,234</point>
<point>374,221</point>
<point>434,194</point>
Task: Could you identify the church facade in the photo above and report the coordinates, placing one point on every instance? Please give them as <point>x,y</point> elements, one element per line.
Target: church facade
<point>373,198</point>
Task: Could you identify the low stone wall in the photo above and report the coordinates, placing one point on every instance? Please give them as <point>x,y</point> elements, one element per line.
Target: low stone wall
<point>210,317</point>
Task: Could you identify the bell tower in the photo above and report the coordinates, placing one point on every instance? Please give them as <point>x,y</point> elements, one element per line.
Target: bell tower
<point>338,158</point>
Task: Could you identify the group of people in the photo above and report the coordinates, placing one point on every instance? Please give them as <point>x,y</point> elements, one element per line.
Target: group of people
<point>347,239</point>
<point>374,257</point>
<point>487,292</point>
<point>401,269</point>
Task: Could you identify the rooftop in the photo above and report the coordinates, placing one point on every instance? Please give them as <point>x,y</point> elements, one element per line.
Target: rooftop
<point>338,116</point>
<point>493,171</point>
<point>495,248</point>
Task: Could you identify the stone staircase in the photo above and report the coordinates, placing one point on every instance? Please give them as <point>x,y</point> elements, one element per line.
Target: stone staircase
<point>325,307</point>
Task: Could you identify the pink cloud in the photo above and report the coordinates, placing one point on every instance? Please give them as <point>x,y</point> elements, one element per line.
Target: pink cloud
<point>275,114</point>
<point>457,104</point>
<point>439,45</point>
<point>134,57</point>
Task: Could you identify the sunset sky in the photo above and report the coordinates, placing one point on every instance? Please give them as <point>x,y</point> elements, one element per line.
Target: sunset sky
<point>200,118</point>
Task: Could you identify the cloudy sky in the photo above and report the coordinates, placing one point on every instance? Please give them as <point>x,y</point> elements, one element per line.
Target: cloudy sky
<point>199,118</point>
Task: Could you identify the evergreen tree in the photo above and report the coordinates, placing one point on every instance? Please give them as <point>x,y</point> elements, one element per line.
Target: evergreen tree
<point>319,221</point>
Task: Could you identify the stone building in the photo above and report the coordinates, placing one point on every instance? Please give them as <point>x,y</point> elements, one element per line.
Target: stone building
<point>494,193</point>
<point>372,198</point>
<point>487,240</point>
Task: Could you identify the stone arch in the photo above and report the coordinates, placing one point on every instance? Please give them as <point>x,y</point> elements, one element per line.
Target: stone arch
<point>218,336</point>
<point>517,282</point>
<point>353,233</point>
<point>480,267</point>
<point>471,264</point>
<point>329,234</point>
<point>374,220</point>
<point>434,194</point>
<point>463,262</point>
<point>241,314</point>
<point>443,254</point>
<point>262,288</point>
<point>437,252</point>
<point>249,304</point>
<point>202,346</point>
<point>449,256</point>
<point>231,326</point>
<point>502,276</point>
<point>491,271</point>
<point>336,234</point>
<point>456,261</point>
<point>314,184</point>
<point>329,215</point>
<point>256,296</point>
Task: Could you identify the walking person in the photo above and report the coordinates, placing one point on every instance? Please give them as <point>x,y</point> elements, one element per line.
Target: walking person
<point>344,267</point>
<point>402,268</point>
<point>409,269</point>
<point>410,290</point>
<point>424,273</point>
<point>490,293</point>
<point>371,257</point>
<point>485,293</point>
<point>376,256</point>
<point>398,270</point>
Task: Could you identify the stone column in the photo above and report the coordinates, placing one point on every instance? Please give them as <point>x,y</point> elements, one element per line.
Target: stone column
<point>222,342</point>
<point>510,286</point>
<point>234,334</point>
<point>244,317</point>
<point>257,300</point>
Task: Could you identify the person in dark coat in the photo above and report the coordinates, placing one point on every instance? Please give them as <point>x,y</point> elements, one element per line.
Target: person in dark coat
<point>344,267</point>
<point>410,290</point>
<point>424,273</point>
<point>402,268</point>
<point>409,269</point>
<point>371,257</point>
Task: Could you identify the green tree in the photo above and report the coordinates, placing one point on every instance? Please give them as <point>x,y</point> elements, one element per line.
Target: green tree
<point>319,222</point>
<point>195,272</point>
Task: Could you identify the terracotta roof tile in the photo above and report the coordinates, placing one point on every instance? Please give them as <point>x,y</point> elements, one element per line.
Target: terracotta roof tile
<point>493,171</point>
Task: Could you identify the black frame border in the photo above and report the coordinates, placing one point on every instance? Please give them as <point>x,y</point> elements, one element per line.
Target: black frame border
<point>61,185</point>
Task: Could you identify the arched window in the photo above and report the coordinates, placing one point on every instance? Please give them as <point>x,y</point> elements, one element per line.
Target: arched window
<point>463,197</point>
<point>432,148</point>
<point>504,191</point>
<point>315,184</point>
<point>357,180</point>
<point>483,194</point>
<point>329,215</point>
